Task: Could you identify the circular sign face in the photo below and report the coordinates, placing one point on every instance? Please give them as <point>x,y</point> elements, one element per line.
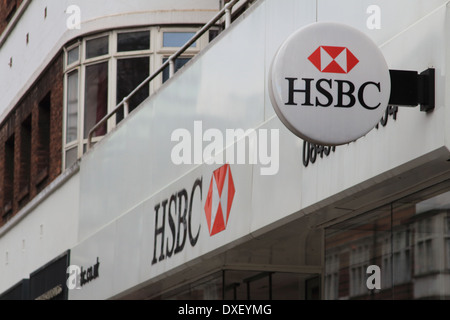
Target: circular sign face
<point>329,83</point>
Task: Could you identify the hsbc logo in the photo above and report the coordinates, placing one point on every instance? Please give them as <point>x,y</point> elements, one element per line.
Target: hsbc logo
<point>329,83</point>
<point>332,59</point>
<point>219,200</point>
<point>178,217</point>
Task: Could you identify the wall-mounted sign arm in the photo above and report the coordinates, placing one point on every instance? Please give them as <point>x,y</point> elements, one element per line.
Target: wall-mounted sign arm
<point>409,88</point>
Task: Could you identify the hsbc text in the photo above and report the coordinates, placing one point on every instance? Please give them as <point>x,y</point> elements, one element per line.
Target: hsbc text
<point>346,93</point>
<point>178,204</point>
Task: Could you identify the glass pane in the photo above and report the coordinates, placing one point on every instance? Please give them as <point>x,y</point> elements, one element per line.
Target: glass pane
<point>350,248</point>
<point>130,74</point>
<point>96,97</point>
<point>71,157</point>
<point>177,39</point>
<point>133,41</point>
<point>259,286</point>
<point>406,240</point>
<point>179,63</point>
<point>72,107</point>
<point>208,288</point>
<point>97,47</point>
<point>73,55</point>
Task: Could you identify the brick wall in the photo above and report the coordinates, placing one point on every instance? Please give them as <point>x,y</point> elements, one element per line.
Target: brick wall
<point>34,131</point>
<point>7,10</point>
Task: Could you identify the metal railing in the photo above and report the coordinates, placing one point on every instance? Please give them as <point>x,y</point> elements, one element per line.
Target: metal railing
<point>124,104</point>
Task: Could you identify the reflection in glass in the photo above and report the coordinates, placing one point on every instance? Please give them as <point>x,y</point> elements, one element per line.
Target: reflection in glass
<point>97,47</point>
<point>96,97</point>
<point>130,74</point>
<point>177,39</point>
<point>179,63</point>
<point>71,157</point>
<point>73,55</point>
<point>72,107</point>
<point>409,240</point>
<point>133,41</point>
<point>257,285</point>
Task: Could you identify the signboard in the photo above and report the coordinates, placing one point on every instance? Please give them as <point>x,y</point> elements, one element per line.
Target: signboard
<point>329,83</point>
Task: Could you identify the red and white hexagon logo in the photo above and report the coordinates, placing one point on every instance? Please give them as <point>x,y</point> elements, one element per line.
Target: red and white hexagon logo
<point>333,59</point>
<point>219,200</point>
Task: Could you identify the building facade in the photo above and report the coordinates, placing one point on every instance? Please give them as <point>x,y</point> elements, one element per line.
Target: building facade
<point>202,192</point>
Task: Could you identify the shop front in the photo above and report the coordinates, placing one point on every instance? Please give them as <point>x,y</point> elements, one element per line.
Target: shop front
<point>363,218</point>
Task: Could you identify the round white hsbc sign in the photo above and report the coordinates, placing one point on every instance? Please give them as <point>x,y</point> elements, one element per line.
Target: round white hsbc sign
<point>329,83</point>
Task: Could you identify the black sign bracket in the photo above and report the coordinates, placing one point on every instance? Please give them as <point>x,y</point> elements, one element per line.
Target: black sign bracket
<point>410,89</point>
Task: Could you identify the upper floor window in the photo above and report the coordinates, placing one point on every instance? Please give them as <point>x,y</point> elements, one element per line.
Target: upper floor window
<point>133,41</point>
<point>101,70</point>
<point>97,47</point>
<point>73,55</point>
<point>177,39</point>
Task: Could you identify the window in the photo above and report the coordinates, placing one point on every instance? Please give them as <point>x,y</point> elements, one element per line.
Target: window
<point>396,258</point>
<point>8,176</point>
<point>25,159</point>
<point>71,132</point>
<point>73,55</point>
<point>43,148</point>
<point>425,257</point>
<point>177,39</point>
<point>100,71</point>
<point>72,107</point>
<point>447,240</point>
<point>131,73</point>
<point>408,239</point>
<point>96,97</point>
<point>331,276</point>
<point>133,41</point>
<point>359,261</point>
<point>97,47</point>
<point>12,6</point>
<point>179,63</point>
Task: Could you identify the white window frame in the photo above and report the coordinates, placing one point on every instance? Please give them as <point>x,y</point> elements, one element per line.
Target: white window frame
<point>155,53</point>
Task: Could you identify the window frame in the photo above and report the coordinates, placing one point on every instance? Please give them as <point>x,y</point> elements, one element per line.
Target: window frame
<point>156,53</point>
